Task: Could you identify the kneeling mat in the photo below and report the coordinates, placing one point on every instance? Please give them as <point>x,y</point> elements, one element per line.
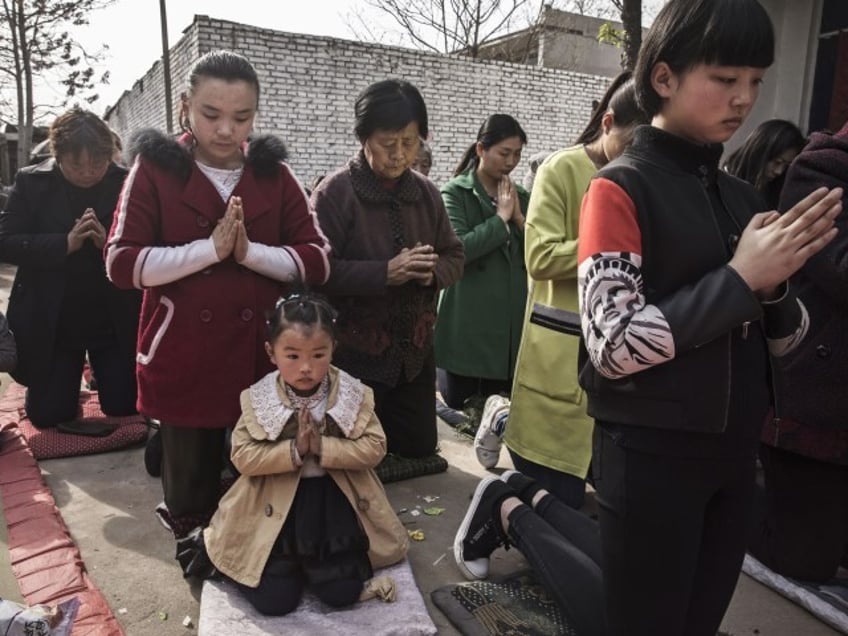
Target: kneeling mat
<point>50,443</point>
<point>397,468</point>
<point>517,604</point>
<point>827,601</point>
<point>223,610</point>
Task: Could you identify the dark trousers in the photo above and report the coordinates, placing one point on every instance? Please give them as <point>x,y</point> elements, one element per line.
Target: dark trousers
<point>284,580</point>
<point>569,489</point>
<point>673,534</point>
<point>54,398</point>
<point>455,389</point>
<point>408,412</point>
<point>192,460</point>
<point>802,526</point>
<point>564,549</point>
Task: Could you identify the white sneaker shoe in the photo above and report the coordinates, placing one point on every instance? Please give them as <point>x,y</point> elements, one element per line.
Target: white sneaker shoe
<point>488,440</point>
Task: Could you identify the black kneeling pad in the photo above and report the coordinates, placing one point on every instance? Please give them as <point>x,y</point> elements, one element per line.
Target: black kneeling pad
<point>90,428</point>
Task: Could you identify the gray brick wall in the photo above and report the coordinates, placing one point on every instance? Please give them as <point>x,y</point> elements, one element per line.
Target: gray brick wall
<point>309,83</point>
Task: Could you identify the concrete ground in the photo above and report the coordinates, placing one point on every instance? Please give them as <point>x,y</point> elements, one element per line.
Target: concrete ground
<point>107,502</point>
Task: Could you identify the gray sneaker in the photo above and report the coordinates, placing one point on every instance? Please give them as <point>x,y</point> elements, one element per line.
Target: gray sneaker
<point>489,437</point>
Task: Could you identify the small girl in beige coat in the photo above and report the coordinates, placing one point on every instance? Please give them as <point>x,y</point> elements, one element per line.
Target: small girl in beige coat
<point>308,509</point>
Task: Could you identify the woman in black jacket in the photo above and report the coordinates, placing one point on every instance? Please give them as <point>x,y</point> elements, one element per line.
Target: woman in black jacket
<point>62,306</point>
<point>803,531</point>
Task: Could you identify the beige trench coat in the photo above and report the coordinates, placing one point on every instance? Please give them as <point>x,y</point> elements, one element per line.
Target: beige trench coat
<point>251,514</point>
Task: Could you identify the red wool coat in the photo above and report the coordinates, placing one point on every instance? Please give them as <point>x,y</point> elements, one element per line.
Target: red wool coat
<point>201,337</point>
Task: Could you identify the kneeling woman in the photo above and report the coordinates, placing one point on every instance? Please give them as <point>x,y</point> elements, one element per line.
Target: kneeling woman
<point>62,306</point>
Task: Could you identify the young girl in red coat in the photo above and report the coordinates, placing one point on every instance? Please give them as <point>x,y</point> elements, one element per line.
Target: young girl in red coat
<point>213,229</point>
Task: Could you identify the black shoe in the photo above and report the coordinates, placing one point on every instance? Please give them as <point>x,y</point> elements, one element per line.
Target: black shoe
<point>153,454</point>
<point>480,532</point>
<point>525,487</point>
<point>192,556</point>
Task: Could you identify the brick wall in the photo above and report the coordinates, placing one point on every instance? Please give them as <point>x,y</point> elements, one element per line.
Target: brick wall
<point>309,83</point>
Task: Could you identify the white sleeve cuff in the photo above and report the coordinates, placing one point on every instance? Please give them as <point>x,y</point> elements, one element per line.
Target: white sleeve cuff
<point>273,262</point>
<point>163,265</point>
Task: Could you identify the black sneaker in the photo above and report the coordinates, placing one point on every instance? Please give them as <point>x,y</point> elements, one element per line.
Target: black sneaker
<point>480,532</point>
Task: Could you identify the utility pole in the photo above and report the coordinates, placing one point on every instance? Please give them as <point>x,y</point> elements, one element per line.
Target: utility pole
<point>166,66</point>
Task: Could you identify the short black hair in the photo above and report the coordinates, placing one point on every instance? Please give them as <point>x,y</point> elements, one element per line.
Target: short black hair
<point>391,104</point>
<point>690,32</point>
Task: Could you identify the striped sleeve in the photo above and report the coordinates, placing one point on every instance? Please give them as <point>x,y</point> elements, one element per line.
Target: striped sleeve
<point>622,333</point>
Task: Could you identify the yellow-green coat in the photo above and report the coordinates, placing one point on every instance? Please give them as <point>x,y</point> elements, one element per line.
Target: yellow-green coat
<point>547,423</point>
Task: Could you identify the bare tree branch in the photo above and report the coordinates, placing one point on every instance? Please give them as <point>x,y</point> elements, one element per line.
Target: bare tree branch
<point>448,26</point>
<point>37,45</point>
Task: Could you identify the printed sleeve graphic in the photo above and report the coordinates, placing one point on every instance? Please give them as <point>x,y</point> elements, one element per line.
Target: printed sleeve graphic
<point>623,334</point>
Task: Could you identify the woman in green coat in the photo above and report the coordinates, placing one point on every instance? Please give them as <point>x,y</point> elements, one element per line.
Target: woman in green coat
<point>478,328</point>
<point>548,434</point>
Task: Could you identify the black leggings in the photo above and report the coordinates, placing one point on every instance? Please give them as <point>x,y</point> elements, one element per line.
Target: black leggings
<point>569,489</point>
<point>54,398</point>
<point>563,547</point>
<point>192,460</point>
<point>285,578</point>
<point>673,533</point>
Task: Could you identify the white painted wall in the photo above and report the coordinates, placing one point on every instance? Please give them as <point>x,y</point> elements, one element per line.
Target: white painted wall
<point>788,83</point>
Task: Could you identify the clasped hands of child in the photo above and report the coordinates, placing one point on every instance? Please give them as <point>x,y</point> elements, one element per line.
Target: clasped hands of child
<point>307,441</point>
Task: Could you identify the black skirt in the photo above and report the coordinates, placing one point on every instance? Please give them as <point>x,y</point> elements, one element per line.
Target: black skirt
<point>322,534</point>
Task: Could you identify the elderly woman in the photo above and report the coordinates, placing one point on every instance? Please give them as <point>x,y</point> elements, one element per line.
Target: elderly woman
<point>62,306</point>
<point>393,249</point>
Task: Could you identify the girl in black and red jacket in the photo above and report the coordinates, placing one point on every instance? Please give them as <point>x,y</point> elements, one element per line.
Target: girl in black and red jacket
<point>683,298</point>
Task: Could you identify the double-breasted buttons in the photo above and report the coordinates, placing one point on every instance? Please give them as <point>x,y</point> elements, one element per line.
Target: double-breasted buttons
<point>205,315</point>
<point>823,351</point>
<point>269,510</point>
<point>202,221</point>
<point>247,315</point>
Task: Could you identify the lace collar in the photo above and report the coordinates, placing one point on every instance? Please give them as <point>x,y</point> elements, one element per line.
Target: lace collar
<point>273,409</point>
<point>309,401</point>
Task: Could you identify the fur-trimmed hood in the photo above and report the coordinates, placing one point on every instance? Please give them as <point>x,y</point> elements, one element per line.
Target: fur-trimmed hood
<point>263,153</point>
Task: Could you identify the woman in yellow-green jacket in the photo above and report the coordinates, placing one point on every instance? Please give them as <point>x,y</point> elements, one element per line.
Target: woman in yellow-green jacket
<point>478,328</point>
<point>548,434</point>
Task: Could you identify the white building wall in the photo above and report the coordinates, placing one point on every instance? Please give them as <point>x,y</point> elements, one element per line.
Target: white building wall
<point>788,83</point>
<point>309,84</point>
